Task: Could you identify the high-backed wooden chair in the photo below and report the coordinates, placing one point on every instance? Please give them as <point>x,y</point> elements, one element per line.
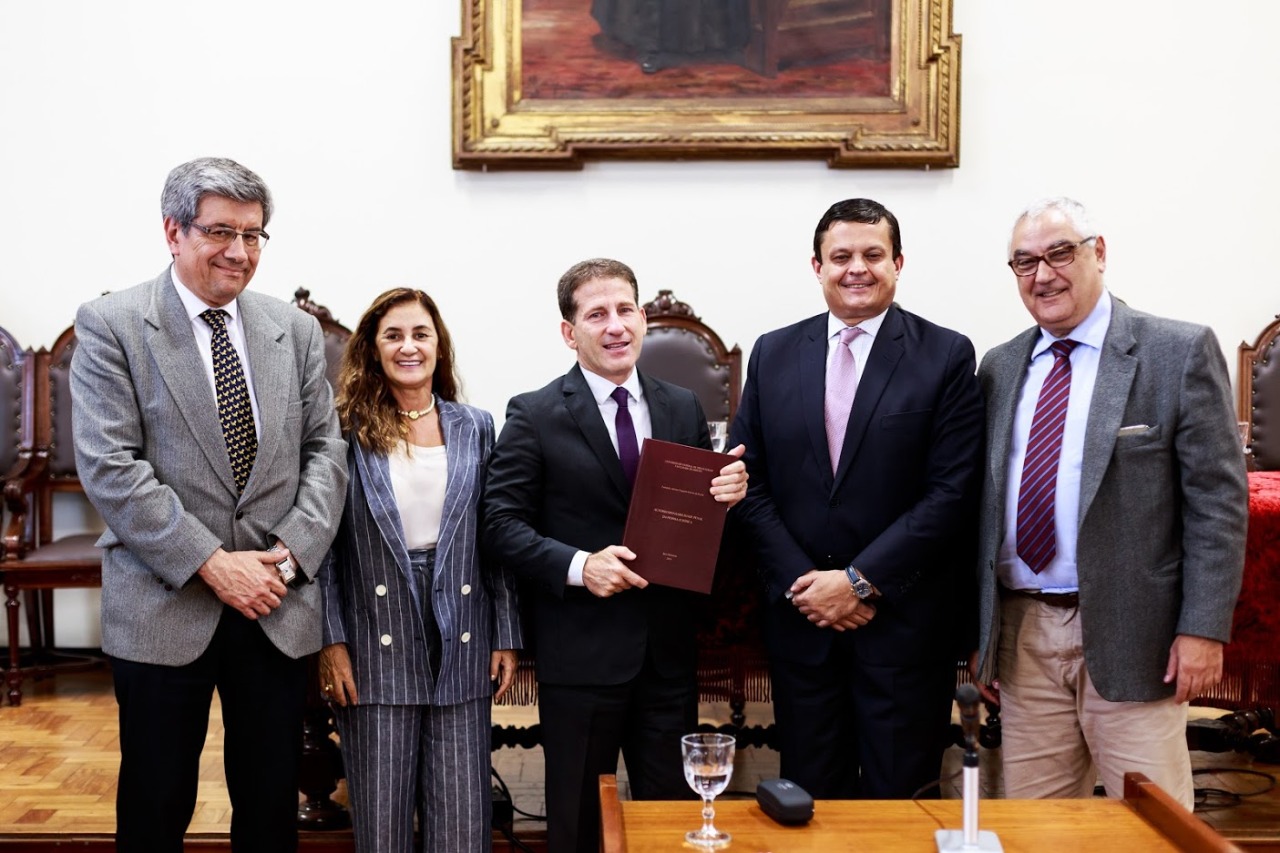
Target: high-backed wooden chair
<point>680,348</point>
<point>335,334</point>
<point>732,667</point>
<point>37,559</point>
<point>16,430</point>
<point>1258,398</point>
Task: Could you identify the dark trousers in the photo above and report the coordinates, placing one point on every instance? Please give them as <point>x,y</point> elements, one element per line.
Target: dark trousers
<point>164,718</point>
<point>583,729</point>
<point>848,729</point>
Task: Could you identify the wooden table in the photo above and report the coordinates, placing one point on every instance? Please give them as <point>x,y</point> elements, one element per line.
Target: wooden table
<point>1146,820</point>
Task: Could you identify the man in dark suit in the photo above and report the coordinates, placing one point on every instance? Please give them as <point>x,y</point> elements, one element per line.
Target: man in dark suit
<point>1112,536</point>
<point>863,428</point>
<point>205,434</point>
<point>615,656</point>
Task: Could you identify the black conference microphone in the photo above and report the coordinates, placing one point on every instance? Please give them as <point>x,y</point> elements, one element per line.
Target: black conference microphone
<point>970,838</point>
<point>967,698</point>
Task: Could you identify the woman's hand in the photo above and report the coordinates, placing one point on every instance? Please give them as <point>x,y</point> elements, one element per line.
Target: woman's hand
<point>502,669</point>
<point>337,682</point>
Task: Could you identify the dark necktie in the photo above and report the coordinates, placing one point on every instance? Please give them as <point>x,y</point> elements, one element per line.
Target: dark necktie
<point>234,410</point>
<point>1037,542</point>
<point>628,448</point>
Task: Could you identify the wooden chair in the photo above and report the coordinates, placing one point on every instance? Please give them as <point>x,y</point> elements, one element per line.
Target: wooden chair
<point>36,559</point>
<point>335,334</point>
<point>732,665</point>
<point>16,431</point>
<point>1258,398</point>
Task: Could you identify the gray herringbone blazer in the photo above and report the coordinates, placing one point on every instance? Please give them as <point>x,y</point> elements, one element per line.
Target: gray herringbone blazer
<point>150,452</point>
<point>1163,510</point>
<point>370,600</point>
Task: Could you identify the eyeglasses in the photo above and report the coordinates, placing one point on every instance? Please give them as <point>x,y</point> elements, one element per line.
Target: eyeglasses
<point>1059,256</point>
<point>225,236</point>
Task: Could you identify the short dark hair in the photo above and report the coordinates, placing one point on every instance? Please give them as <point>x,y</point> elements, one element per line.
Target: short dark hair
<point>862,210</point>
<point>190,182</point>
<point>585,271</point>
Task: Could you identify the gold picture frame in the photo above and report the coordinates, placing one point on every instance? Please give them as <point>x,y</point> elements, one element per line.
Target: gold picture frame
<point>511,110</point>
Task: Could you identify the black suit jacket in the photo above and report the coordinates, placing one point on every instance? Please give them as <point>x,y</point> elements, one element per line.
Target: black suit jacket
<point>555,487</point>
<point>901,507</point>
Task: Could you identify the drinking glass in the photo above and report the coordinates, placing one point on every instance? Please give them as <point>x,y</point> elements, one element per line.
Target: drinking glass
<point>719,434</point>
<point>708,764</point>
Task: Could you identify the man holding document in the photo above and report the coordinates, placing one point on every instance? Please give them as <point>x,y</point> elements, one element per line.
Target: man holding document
<point>615,655</point>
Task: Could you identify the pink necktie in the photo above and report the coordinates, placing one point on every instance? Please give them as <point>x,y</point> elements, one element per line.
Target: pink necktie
<point>1037,542</point>
<point>842,382</point>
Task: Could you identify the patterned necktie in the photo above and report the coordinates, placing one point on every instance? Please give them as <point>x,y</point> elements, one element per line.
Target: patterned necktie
<point>234,409</point>
<point>1037,542</point>
<point>842,382</point>
<point>628,448</point>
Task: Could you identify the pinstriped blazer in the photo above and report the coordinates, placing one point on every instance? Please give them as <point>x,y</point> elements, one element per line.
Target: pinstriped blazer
<point>369,598</point>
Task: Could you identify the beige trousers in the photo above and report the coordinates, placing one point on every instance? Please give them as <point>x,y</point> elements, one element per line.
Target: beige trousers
<point>1059,735</point>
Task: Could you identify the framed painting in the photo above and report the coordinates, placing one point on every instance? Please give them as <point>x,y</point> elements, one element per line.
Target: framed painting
<point>551,83</point>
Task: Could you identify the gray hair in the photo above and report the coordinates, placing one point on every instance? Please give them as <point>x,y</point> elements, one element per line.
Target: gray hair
<point>1071,210</point>
<point>190,182</point>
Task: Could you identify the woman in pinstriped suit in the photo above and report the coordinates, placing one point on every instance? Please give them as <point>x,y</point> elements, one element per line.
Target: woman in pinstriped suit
<point>419,632</point>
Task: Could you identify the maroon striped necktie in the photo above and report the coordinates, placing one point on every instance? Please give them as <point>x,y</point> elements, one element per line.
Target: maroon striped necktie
<point>1037,542</point>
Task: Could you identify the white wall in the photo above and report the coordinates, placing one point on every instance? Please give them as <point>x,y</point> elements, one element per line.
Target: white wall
<point>1152,112</point>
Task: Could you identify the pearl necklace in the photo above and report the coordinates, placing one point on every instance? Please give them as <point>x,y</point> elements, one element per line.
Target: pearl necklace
<point>413,415</point>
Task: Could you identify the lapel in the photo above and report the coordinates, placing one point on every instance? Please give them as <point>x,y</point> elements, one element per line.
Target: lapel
<point>883,360</point>
<point>1008,372</point>
<point>375,476</point>
<point>459,439</point>
<point>582,407</point>
<point>271,363</point>
<point>811,365</point>
<point>1116,368</point>
<point>176,357</point>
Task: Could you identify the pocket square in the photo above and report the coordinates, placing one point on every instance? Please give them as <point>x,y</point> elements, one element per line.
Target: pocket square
<point>1133,430</point>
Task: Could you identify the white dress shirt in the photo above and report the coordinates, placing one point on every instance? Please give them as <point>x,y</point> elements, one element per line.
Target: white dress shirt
<point>196,306</point>
<point>602,390</point>
<point>859,346</point>
<point>1060,575</point>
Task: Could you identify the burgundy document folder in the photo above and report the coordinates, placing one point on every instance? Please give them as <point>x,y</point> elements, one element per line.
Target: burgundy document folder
<point>674,524</point>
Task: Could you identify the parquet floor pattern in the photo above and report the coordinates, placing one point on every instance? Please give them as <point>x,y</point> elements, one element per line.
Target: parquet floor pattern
<point>59,754</point>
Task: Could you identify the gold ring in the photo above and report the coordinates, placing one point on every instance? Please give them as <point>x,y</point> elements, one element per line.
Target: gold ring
<point>328,687</point>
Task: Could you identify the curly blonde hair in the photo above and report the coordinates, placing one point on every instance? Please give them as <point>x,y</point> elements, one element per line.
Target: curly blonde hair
<point>366,408</point>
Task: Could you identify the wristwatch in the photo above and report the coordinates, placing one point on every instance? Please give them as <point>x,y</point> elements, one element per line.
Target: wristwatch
<point>860,586</point>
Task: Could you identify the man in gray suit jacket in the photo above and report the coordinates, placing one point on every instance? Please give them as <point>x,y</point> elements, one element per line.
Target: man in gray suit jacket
<point>205,434</point>
<point>1113,523</point>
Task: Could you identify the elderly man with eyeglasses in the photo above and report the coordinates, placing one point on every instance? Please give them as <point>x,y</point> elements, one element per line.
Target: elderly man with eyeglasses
<point>206,436</point>
<point>1113,523</point>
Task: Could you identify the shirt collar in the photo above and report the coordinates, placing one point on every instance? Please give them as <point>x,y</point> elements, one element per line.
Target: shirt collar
<point>196,306</point>
<point>870,327</point>
<point>602,388</point>
<point>1091,332</point>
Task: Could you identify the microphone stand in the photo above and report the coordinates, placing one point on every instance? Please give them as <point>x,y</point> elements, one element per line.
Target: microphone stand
<point>970,838</point>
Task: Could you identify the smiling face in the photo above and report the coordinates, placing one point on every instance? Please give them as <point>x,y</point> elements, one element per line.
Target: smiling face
<point>215,273</point>
<point>1059,299</point>
<point>407,343</point>
<point>858,272</point>
<point>607,329</point>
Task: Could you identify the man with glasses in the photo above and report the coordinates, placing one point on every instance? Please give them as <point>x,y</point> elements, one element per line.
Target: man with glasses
<point>206,436</point>
<point>1113,523</point>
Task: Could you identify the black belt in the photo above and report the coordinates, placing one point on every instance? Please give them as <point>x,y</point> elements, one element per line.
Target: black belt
<point>1065,600</point>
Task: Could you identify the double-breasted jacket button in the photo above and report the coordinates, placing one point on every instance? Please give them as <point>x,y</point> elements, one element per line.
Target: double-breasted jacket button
<point>466,589</point>
<point>466,637</point>
<point>386,639</point>
<point>380,590</point>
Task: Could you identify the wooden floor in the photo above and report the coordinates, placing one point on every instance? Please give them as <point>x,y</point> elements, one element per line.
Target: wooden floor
<point>59,755</point>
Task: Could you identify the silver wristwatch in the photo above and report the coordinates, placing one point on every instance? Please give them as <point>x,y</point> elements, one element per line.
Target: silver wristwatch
<point>860,586</point>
